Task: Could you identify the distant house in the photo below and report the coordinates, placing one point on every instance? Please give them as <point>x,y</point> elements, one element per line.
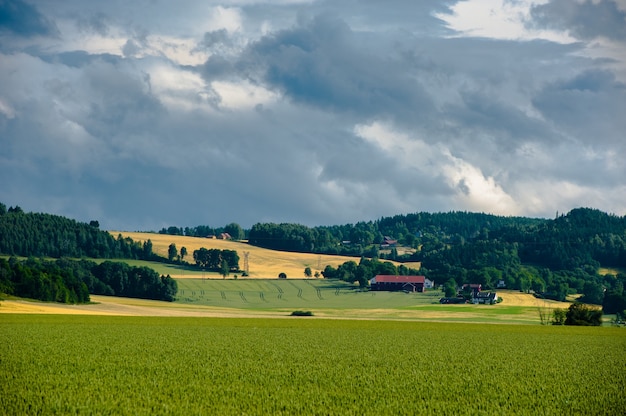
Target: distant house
<point>394,282</point>
<point>473,287</point>
<point>487,298</point>
<point>428,284</point>
<point>501,284</point>
<point>224,236</point>
<point>388,242</point>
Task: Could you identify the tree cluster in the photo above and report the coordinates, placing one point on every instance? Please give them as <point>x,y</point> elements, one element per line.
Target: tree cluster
<point>216,259</point>
<point>578,314</point>
<point>71,281</point>
<point>363,272</point>
<point>233,229</point>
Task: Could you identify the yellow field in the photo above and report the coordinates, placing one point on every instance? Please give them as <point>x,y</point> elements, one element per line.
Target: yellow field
<point>263,263</point>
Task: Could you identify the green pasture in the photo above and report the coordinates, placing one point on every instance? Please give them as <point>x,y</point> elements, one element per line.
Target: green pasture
<point>296,293</point>
<point>334,298</point>
<point>69,364</point>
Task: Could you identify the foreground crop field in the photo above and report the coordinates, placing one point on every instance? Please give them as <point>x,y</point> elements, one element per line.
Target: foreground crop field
<point>128,365</point>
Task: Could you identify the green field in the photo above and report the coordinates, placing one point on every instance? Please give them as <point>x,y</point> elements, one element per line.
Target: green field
<point>68,364</point>
<point>288,293</point>
<point>334,298</point>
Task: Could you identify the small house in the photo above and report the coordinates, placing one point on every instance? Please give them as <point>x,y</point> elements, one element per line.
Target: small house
<point>394,283</point>
<point>472,287</point>
<point>388,242</point>
<point>486,298</point>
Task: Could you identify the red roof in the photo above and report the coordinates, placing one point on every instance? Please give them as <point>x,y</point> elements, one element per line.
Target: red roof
<point>388,278</point>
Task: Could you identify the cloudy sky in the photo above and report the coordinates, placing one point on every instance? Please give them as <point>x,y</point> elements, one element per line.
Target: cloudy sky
<point>149,113</point>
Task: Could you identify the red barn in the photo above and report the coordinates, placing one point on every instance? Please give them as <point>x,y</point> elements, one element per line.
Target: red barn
<point>392,282</point>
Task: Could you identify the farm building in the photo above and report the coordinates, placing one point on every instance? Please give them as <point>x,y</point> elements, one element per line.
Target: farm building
<point>488,298</point>
<point>394,282</point>
<point>473,287</point>
<point>388,242</point>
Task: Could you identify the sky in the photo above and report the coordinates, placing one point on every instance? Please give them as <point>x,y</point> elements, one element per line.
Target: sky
<point>149,113</point>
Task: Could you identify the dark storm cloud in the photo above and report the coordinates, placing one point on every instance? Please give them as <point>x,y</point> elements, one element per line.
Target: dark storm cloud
<point>584,20</point>
<point>97,23</point>
<point>322,63</point>
<point>23,19</point>
<point>572,105</point>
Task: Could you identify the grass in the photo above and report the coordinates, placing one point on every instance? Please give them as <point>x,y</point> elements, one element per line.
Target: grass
<point>332,298</point>
<point>137,365</point>
<point>613,271</point>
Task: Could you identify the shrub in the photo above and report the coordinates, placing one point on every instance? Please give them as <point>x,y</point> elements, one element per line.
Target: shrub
<point>301,313</point>
<point>583,315</point>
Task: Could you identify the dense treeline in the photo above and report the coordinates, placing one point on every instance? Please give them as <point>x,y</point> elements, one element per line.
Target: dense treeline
<point>233,229</point>
<point>46,235</point>
<point>364,238</point>
<point>71,281</point>
<point>553,258</point>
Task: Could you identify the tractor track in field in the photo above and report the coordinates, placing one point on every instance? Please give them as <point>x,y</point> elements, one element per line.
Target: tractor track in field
<point>280,290</point>
<point>299,290</point>
<point>317,290</point>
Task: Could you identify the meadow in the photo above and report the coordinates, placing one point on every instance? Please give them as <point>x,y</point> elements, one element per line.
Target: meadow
<point>333,298</point>
<point>67,364</point>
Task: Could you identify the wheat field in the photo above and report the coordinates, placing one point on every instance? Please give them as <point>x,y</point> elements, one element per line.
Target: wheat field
<point>263,263</point>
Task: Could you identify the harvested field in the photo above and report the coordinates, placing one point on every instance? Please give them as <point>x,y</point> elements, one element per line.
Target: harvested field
<point>263,263</point>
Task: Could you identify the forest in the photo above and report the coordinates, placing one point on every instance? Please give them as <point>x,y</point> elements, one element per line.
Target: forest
<point>71,281</point>
<point>37,236</point>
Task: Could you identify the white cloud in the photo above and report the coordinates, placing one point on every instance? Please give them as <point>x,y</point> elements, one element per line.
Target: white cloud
<point>228,18</point>
<point>242,94</point>
<point>471,188</point>
<point>497,19</point>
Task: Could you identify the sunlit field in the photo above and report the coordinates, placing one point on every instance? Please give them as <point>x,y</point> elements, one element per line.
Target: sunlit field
<point>262,262</point>
<point>64,364</point>
<point>278,298</point>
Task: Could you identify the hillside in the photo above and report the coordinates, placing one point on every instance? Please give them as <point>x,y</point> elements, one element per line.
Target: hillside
<point>263,263</point>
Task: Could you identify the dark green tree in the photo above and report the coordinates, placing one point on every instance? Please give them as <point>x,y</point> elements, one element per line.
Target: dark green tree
<point>172,252</point>
<point>235,231</point>
<point>559,316</point>
<point>308,272</point>
<point>614,302</point>
<point>224,269</point>
<point>582,315</point>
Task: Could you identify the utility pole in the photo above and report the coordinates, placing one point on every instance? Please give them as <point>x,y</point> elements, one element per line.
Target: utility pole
<point>246,263</point>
